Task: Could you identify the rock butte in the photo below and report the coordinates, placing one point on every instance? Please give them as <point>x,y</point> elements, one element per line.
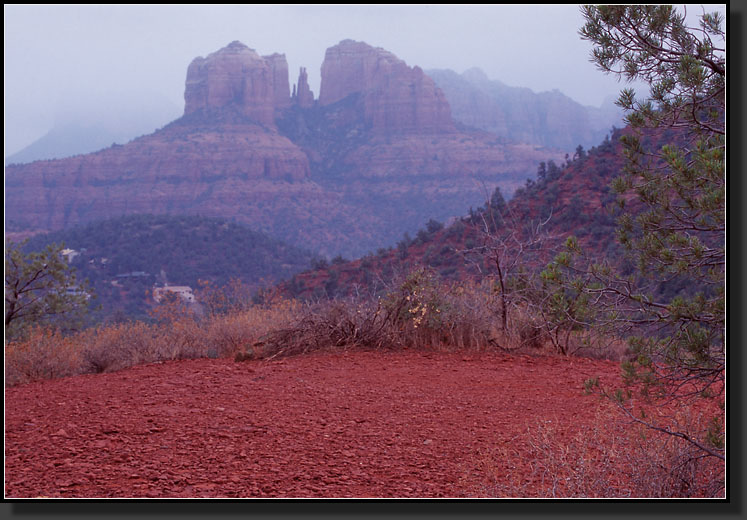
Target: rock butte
<point>396,98</point>
<point>375,156</point>
<point>237,75</point>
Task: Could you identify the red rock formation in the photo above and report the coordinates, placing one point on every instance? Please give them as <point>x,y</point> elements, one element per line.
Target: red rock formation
<point>280,81</point>
<point>377,156</point>
<point>303,96</point>
<point>180,167</point>
<point>396,98</point>
<point>238,75</point>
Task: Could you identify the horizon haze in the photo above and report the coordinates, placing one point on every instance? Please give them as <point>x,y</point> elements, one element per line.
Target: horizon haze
<point>95,63</point>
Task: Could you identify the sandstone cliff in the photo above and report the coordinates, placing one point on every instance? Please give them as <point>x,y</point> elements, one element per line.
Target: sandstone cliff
<point>396,98</point>
<point>302,94</point>
<point>377,156</point>
<point>237,75</point>
<point>194,163</point>
<point>280,86</point>
<point>382,137</point>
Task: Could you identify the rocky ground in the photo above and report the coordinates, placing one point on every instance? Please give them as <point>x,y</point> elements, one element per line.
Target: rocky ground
<point>346,424</point>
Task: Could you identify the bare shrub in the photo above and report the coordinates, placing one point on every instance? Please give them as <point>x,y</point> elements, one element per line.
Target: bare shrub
<point>230,334</point>
<point>43,354</point>
<point>469,319</point>
<point>182,334</point>
<point>244,333</point>
<point>532,328</point>
<point>332,325</point>
<point>240,329</point>
<point>428,313</point>
<point>185,339</point>
<point>237,320</point>
<point>525,331</point>
<point>418,312</point>
<point>611,459</point>
<point>178,334</point>
<point>117,346</point>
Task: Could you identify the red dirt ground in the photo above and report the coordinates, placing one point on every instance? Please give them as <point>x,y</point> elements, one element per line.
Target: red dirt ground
<point>349,424</point>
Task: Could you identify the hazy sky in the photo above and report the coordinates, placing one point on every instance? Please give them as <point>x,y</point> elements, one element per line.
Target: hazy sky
<point>60,59</point>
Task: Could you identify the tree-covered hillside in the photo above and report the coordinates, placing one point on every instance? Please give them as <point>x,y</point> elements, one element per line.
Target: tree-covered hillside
<point>573,198</point>
<point>124,258</point>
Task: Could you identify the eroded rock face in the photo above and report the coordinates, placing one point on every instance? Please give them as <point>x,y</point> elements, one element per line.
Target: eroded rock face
<point>237,75</point>
<point>378,155</point>
<point>183,167</point>
<point>303,96</point>
<point>396,98</point>
<point>280,80</point>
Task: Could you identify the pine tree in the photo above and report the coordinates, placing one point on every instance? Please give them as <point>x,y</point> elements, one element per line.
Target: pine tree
<point>41,289</point>
<point>673,200</point>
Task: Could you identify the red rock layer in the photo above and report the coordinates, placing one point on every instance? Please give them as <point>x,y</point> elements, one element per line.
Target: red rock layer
<point>396,98</point>
<point>385,161</point>
<point>280,80</point>
<point>179,167</point>
<point>303,96</point>
<point>237,75</point>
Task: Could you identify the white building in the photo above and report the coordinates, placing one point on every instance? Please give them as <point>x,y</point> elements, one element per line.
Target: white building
<point>182,291</point>
<point>69,254</point>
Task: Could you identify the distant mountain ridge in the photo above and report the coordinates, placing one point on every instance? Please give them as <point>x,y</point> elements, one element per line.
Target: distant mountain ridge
<point>517,114</point>
<point>97,126</point>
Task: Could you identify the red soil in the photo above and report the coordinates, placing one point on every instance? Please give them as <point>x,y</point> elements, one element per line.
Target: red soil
<point>351,424</point>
